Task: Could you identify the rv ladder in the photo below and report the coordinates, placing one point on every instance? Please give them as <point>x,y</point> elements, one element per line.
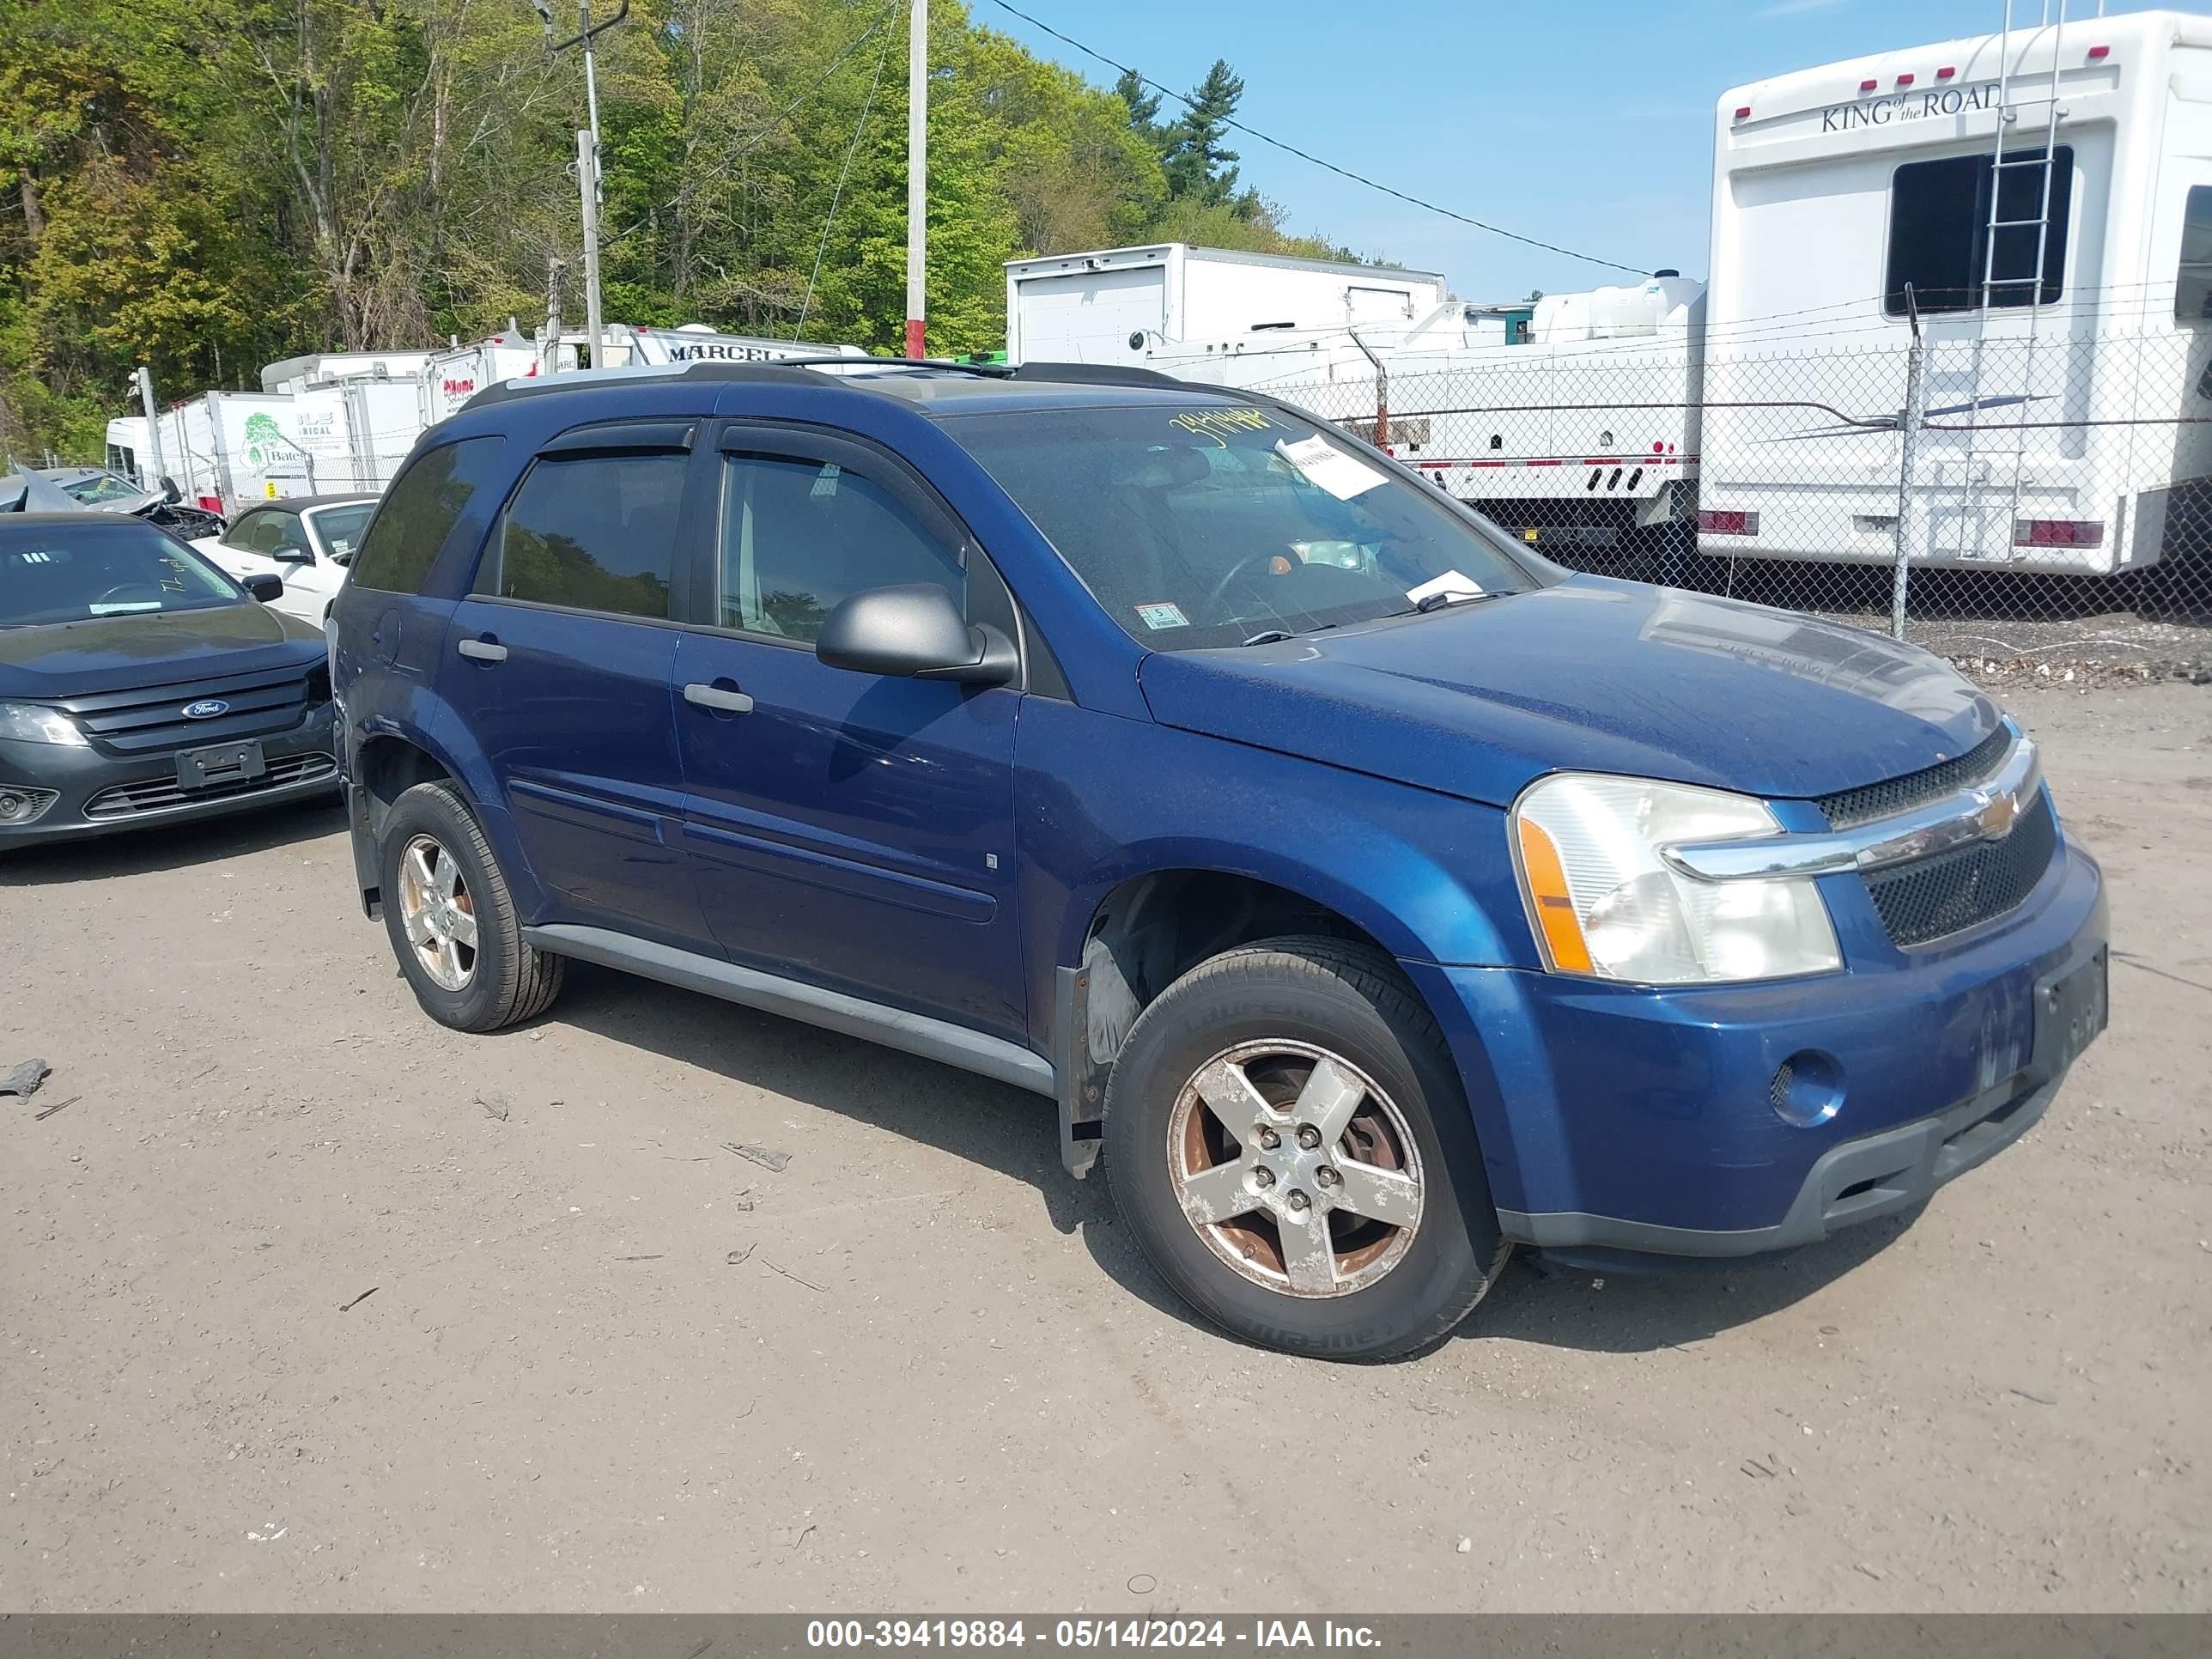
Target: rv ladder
<point>2046,159</point>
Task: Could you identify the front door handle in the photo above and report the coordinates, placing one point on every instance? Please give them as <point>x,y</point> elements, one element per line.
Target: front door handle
<point>484,650</point>
<point>725,698</point>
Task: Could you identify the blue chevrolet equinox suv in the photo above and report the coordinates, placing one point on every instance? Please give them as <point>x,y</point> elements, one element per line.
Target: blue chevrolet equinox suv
<point>1374,894</point>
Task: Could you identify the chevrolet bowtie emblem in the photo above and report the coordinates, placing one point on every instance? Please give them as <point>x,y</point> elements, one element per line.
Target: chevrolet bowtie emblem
<point>1998,813</point>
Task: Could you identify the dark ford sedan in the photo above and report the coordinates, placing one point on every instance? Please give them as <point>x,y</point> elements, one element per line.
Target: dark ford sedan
<point>140,685</point>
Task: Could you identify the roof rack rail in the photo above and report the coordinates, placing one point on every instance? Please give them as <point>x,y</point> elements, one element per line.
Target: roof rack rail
<point>1094,375</point>
<point>808,371</point>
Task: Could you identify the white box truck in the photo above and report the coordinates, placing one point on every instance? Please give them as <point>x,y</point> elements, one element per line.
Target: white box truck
<point>1110,306</point>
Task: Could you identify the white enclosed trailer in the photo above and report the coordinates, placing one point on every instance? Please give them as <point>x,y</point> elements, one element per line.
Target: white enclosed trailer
<point>1110,306</point>
<point>2062,393</point>
<point>226,449</point>
<point>694,343</point>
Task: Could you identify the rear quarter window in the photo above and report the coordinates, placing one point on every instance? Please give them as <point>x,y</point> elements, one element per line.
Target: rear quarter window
<point>419,512</point>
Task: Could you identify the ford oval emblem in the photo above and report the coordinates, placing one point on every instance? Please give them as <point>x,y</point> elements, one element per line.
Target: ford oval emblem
<point>206,709</point>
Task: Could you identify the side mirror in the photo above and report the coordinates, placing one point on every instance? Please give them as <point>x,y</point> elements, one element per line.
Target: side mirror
<point>292,556</point>
<point>914,631</point>
<point>265,588</point>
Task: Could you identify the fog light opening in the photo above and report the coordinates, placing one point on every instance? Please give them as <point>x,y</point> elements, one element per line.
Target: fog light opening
<point>20,806</point>
<point>1807,1089</point>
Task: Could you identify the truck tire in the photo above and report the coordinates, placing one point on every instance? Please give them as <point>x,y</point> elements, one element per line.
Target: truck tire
<point>1286,1137</point>
<point>451,921</point>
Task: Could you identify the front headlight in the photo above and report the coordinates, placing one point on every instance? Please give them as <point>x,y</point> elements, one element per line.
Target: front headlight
<point>1602,901</point>
<point>27,722</point>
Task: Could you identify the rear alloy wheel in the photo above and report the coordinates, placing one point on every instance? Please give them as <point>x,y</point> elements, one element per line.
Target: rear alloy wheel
<point>438,913</point>
<point>451,921</point>
<point>1286,1136</point>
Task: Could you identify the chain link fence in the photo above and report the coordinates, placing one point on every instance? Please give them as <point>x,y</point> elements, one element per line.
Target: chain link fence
<point>2002,500</point>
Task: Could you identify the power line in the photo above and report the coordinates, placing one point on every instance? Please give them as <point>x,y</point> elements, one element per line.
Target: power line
<point>754,140</point>
<point>1309,156</point>
<point>838,195</point>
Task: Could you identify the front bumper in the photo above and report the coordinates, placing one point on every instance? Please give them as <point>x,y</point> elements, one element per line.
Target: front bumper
<point>82,775</point>
<point>1615,1118</point>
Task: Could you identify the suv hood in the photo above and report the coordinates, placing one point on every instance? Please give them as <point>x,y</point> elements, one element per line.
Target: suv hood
<point>115,653</point>
<point>1591,675</point>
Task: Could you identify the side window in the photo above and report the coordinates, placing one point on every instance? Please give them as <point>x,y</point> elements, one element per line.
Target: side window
<point>1939,232</point>
<point>281,530</point>
<point>591,532</point>
<point>2192,284</point>
<point>799,535</point>
<point>420,511</point>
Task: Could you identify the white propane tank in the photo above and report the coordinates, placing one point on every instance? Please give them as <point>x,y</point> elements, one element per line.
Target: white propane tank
<point>1623,312</point>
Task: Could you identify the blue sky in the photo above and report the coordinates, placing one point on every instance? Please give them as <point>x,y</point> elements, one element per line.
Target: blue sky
<point>1589,126</point>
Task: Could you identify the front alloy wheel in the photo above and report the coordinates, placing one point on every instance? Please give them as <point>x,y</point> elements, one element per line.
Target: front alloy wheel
<point>1296,1168</point>
<point>1286,1136</point>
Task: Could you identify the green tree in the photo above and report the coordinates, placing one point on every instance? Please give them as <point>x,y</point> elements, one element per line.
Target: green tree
<point>1199,166</point>
<point>1144,107</point>
<point>210,185</point>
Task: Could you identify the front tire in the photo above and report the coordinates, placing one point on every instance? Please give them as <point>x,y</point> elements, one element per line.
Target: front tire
<point>451,921</point>
<point>1286,1137</point>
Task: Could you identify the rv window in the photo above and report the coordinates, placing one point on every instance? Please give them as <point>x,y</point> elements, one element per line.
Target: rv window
<point>1939,232</point>
<point>2192,284</point>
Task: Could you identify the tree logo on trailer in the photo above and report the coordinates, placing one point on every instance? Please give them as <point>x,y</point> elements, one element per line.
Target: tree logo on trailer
<point>264,441</point>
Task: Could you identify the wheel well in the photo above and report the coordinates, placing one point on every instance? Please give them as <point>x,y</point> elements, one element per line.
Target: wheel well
<point>388,768</point>
<point>1143,936</point>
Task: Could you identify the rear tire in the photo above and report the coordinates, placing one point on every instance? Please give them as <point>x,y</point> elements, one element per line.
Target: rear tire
<point>451,921</point>
<point>1364,1228</point>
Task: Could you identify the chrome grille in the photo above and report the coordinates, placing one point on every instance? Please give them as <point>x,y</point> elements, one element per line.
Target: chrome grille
<point>1934,898</point>
<point>1881,800</point>
<point>128,800</point>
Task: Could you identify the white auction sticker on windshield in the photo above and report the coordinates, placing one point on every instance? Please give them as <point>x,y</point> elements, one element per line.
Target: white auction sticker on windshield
<point>1322,464</point>
<point>1452,582</point>
<point>1161,614</point>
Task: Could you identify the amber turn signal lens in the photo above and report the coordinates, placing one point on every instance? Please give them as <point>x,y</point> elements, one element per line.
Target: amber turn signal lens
<point>1555,906</point>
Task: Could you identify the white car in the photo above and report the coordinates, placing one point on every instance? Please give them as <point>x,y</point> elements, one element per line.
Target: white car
<point>307,541</point>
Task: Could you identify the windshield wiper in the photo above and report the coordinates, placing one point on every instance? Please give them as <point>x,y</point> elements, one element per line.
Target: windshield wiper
<point>1443,601</point>
<point>1438,601</point>
<point>1268,636</point>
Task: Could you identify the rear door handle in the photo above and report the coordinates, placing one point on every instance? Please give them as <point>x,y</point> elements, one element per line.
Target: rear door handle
<point>729,699</point>
<point>484,650</point>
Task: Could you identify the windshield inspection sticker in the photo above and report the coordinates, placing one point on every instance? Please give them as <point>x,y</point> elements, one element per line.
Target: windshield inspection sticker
<point>1161,614</point>
<point>1322,464</point>
<point>1452,582</point>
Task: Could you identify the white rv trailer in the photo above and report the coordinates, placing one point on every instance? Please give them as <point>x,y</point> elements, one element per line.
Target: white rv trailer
<point>1573,422</point>
<point>2057,393</point>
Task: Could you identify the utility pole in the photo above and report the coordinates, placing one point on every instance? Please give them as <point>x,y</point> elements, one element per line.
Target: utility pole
<point>549,342</point>
<point>588,171</point>
<point>145,378</point>
<point>587,152</point>
<point>917,170</point>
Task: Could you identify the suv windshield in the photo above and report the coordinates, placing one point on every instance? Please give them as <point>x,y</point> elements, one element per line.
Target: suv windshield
<point>62,573</point>
<point>1210,525</point>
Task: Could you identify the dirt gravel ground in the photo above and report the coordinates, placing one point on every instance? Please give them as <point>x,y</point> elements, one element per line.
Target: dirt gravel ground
<point>309,1304</point>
